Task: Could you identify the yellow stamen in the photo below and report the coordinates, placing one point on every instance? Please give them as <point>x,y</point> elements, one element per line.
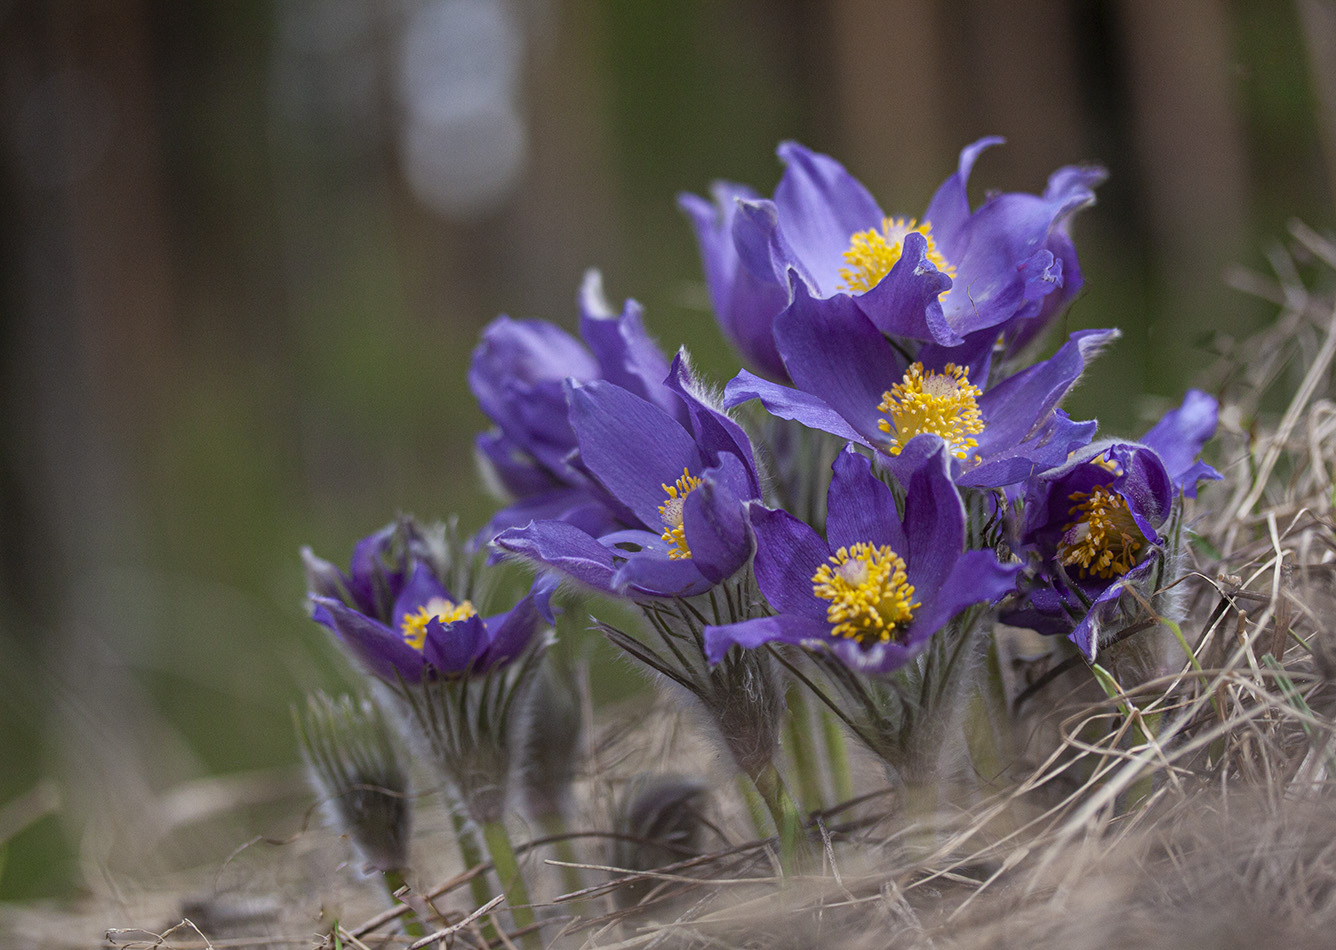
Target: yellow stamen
<point>671,513</point>
<point>1103,538</point>
<point>945,404</point>
<point>414,626</point>
<point>872,254</point>
<point>870,597</point>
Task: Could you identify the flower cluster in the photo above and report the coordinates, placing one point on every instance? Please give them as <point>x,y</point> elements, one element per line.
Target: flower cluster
<point>909,349</point>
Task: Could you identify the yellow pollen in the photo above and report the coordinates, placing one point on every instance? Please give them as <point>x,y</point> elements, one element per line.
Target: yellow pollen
<point>1102,539</point>
<point>945,404</point>
<point>870,598</point>
<point>873,253</point>
<point>671,513</point>
<point>414,626</point>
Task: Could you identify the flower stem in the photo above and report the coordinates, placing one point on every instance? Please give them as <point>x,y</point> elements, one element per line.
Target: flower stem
<point>802,751</point>
<point>554,825</point>
<point>756,807</point>
<point>837,755</point>
<point>784,812</point>
<point>471,855</point>
<point>512,882</point>
<point>413,926</point>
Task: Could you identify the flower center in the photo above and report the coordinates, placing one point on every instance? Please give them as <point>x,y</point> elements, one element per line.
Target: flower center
<point>414,626</point>
<point>873,253</point>
<point>671,513</point>
<point>870,597</point>
<point>945,404</point>
<point>1103,539</point>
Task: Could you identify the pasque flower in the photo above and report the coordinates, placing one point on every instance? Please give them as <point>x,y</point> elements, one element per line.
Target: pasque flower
<point>879,585</point>
<point>684,487</point>
<point>955,272</point>
<point>518,375</point>
<point>852,382</point>
<point>393,613</point>
<point>1093,526</point>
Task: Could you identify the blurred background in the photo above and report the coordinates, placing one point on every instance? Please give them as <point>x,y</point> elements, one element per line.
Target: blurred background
<point>248,247</point>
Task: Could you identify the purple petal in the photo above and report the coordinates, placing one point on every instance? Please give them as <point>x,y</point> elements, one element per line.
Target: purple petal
<point>905,302</point>
<point>934,524</point>
<point>975,577</point>
<point>834,352</point>
<point>422,586</point>
<point>1179,436</point>
<point>625,352</point>
<point>714,520</point>
<point>512,632</point>
<point>745,305</point>
<point>716,434</point>
<point>379,649</point>
<point>1047,445</point>
<point>561,546</point>
<point>861,508</point>
<point>750,634</point>
<point>656,574</point>
<point>523,352</point>
<point>786,403</point>
<point>821,206</point>
<point>950,207</point>
<point>788,553</point>
<point>631,446</point>
<point>452,648</point>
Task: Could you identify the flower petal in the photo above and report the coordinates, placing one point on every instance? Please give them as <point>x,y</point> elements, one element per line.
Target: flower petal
<point>821,206</point>
<point>861,508</point>
<point>833,352</point>
<point>631,446</point>
<point>564,547</point>
<point>380,650</point>
<point>750,634</point>
<point>1179,436</point>
<point>788,553</point>
<point>452,647</point>
<point>714,520</point>
<point>786,403</point>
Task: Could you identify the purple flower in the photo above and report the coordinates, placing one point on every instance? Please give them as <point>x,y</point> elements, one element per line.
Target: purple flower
<point>879,586</point>
<point>958,272</point>
<point>518,375</point>
<point>853,383</point>
<point>684,486</point>
<point>394,615</point>
<point>1092,526</point>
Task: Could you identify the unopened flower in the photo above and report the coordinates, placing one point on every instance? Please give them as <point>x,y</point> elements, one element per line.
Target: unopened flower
<point>878,586</point>
<point>1094,526</point>
<point>356,767</point>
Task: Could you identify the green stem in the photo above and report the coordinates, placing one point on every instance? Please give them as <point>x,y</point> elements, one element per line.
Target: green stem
<point>802,751</point>
<point>412,923</point>
<point>512,882</point>
<point>1140,790</point>
<point>471,855</point>
<point>554,825</point>
<point>784,812</point>
<point>756,810</point>
<point>837,755</point>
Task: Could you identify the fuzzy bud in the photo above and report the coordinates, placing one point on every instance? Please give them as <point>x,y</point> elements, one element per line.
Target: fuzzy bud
<point>357,769</point>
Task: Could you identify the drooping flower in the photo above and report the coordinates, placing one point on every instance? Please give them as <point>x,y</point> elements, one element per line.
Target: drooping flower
<point>879,585</point>
<point>518,375</point>
<point>685,487</point>
<point>395,616</point>
<point>953,273</point>
<point>1095,526</point>
<point>852,382</point>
